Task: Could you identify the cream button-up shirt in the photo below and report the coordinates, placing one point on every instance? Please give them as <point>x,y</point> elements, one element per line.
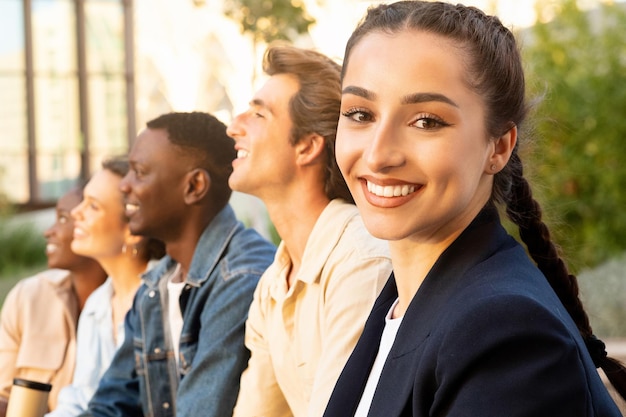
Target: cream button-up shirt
<point>300,337</point>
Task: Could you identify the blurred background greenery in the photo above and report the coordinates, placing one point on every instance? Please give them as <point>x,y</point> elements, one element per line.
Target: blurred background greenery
<point>576,67</point>
<point>576,64</point>
<point>22,250</point>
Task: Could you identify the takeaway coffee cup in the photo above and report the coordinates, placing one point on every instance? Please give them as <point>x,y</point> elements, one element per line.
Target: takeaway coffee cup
<point>28,398</point>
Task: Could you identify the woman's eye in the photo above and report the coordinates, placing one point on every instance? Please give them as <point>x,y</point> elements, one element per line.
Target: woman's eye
<point>430,122</point>
<point>357,115</point>
<point>63,219</point>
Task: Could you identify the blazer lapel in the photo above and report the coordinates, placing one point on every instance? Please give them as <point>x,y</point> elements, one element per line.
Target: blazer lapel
<point>352,380</point>
<point>476,243</point>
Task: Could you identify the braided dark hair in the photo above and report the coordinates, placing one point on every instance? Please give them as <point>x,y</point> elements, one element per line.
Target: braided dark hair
<point>495,72</point>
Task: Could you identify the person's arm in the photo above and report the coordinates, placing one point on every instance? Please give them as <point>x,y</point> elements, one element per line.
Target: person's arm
<point>10,342</point>
<point>117,394</point>
<point>259,393</point>
<point>36,335</point>
<point>351,288</point>
<point>210,386</point>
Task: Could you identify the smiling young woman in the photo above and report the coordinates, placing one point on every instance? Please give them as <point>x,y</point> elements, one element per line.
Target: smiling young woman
<point>431,122</point>
<point>101,232</point>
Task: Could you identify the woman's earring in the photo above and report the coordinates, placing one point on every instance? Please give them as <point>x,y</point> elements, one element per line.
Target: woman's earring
<point>493,167</point>
<point>134,254</point>
<point>124,248</point>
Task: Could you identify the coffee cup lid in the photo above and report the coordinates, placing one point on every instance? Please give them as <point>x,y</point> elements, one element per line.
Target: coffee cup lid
<point>41,386</point>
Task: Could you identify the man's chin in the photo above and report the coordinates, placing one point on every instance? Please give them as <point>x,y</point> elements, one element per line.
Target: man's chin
<point>135,228</point>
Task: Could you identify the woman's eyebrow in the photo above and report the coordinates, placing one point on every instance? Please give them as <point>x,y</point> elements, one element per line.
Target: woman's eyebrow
<point>426,97</point>
<point>359,91</point>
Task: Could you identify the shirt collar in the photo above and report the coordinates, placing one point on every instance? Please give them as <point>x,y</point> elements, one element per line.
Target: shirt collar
<point>324,237</point>
<point>208,252</point>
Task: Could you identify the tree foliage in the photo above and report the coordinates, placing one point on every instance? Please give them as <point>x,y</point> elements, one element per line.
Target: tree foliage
<point>268,20</point>
<point>577,61</point>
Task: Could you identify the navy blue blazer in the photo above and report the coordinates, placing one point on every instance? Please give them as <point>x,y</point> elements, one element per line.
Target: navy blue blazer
<point>484,336</point>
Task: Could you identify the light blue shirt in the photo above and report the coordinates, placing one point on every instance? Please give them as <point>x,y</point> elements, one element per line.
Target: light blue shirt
<point>95,348</point>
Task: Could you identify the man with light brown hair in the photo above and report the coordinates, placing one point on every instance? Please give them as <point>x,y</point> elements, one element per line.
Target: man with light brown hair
<point>311,304</point>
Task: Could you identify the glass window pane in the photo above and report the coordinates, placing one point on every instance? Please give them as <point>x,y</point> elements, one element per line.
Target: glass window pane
<point>58,134</point>
<point>54,36</point>
<point>13,113</point>
<point>105,37</point>
<point>57,113</point>
<point>13,139</point>
<point>14,176</point>
<point>107,107</point>
<point>58,172</point>
<point>11,36</point>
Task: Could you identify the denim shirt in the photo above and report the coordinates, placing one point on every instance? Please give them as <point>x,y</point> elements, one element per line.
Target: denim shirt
<point>145,379</point>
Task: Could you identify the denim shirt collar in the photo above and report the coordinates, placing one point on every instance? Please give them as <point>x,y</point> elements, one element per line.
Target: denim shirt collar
<point>209,250</point>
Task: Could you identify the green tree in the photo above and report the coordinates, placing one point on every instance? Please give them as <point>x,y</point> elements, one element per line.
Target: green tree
<point>577,62</point>
<point>269,20</point>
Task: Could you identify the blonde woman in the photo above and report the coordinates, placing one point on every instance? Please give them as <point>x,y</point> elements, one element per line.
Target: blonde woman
<point>101,232</point>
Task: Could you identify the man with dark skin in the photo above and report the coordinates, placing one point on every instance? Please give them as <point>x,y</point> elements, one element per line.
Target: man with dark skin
<point>184,352</point>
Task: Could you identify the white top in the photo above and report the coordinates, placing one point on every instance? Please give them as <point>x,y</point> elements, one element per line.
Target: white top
<point>386,342</point>
<point>174,289</point>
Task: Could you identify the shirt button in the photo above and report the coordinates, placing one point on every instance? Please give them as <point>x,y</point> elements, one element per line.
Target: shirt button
<point>151,294</point>
<point>166,405</point>
<point>157,350</point>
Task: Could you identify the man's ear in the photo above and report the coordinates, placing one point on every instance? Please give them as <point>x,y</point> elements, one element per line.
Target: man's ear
<point>501,152</point>
<point>198,183</point>
<point>309,149</point>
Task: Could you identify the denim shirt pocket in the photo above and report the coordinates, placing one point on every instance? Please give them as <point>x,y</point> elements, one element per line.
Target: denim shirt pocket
<point>188,348</point>
<point>140,359</point>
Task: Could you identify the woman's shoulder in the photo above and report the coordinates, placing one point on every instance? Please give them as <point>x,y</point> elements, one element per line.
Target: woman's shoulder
<point>40,285</point>
<point>499,313</point>
<point>100,299</point>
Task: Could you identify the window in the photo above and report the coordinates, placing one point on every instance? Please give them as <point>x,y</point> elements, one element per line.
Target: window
<point>13,137</point>
<point>67,93</point>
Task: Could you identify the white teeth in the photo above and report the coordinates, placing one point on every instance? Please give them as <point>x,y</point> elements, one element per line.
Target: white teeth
<point>131,208</point>
<point>51,248</point>
<point>78,233</point>
<point>241,153</point>
<point>390,190</point>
